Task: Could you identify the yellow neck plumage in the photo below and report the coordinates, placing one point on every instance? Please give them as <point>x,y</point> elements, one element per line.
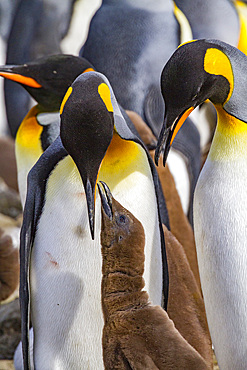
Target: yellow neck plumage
<point>28,135</point>
<point>230,139</point>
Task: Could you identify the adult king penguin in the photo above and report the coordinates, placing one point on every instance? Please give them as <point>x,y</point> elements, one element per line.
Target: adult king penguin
<point>211,69</point>
<point>65,265</point>
<point>46,80</point>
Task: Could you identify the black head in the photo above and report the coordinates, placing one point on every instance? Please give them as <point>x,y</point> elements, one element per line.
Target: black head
<point>87,129</point>
<point>47,79</point>
<point>197,71</point>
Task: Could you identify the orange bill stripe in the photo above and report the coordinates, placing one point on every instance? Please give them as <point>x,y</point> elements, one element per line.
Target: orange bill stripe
<point>21,79</point>
<point>180,123</point>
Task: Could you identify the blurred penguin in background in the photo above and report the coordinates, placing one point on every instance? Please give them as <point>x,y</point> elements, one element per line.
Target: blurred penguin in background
<point>212,19</point>
<point>37,29</point>
<point>7,9</point>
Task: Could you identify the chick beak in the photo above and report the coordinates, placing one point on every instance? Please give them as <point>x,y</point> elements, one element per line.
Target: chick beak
<point>106,199</point>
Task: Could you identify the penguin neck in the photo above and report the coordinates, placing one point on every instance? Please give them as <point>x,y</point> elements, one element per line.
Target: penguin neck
<point>121,291</point>
<point>122,158</point>
<point>230,138</point>
<point>29,132</point>
<point>47,109</point>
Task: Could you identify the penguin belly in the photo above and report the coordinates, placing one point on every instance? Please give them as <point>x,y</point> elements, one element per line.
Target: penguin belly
<point>66,267</point>
<point>220,210</point>
<point>66,279</point>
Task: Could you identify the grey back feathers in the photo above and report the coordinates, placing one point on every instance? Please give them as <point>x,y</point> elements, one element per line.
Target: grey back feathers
<point>212,19</point>
<point>133,60</point>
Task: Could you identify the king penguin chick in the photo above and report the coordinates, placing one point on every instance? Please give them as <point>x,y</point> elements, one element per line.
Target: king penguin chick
<point>150,32</point>
<point>220,200</point>
<point>47,80</point>
<point>65,291</point>
<point>136,334</point>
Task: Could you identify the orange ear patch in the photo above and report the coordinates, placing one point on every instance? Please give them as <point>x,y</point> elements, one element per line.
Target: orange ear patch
<point>21,79</point>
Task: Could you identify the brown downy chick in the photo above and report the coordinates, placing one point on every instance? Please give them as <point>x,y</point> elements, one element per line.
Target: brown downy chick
<point>136,335</point>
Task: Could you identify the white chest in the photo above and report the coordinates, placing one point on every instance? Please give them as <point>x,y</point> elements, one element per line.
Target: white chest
<point>66,270</point>
<point>220,221</point>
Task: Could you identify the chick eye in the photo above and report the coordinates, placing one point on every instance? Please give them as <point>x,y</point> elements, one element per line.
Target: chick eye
<point>123,222</point>
<point>122,219</point>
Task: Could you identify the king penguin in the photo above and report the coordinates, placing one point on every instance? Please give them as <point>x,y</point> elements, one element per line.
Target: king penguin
<point>211,19</point>
<point>46,80</point>
<point>220,200</point>
<point>150,32</point>
<point>61,278</point>
<point>135,332</point>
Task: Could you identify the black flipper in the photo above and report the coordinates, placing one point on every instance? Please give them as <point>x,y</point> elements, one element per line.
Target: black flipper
<point>33,208</point>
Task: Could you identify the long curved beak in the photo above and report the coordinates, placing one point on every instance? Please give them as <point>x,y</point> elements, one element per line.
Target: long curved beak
<point>170,128</point>
<point>90,197</point>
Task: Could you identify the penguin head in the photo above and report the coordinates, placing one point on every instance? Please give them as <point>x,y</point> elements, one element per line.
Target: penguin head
<point>122,236</point>
<point>47,79</point>
<point>197,71</point>
<point>87,124</point>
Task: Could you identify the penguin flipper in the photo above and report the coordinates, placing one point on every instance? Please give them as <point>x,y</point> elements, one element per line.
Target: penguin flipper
<point>36,186</point>
<point>154,109</point>
<point>130,359</point>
